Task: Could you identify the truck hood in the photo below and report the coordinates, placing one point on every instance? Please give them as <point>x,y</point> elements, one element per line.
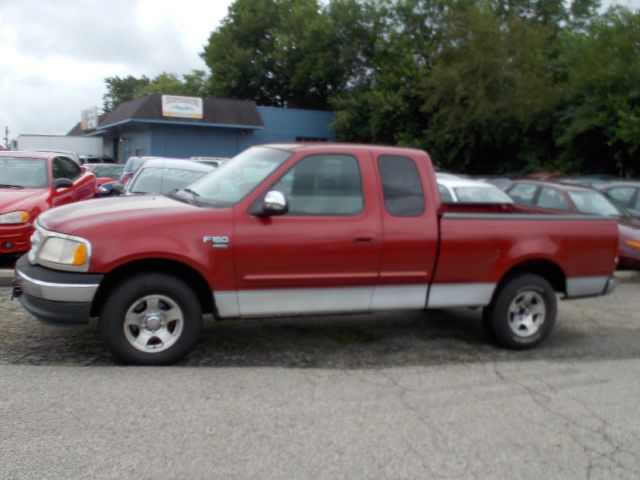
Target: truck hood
<point>12,199</point>
<point>120,211</point>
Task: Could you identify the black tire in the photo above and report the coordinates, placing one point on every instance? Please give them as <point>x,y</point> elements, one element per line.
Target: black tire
<point>151,299</point>
<point>522,313</point>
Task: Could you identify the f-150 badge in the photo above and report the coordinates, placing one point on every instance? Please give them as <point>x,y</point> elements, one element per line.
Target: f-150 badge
<point>217,241</point>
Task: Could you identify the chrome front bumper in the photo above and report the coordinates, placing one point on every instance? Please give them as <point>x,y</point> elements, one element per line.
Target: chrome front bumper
<point>55,296</point>
<point>55,292</point>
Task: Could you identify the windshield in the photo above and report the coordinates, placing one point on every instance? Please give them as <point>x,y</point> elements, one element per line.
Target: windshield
<point>481,195</point>
<point>107,171</point>
<point>23,172</point>
<point>235,179</point>
<point>162,180</point>
<point>133,164</point>
<point>594,203</point>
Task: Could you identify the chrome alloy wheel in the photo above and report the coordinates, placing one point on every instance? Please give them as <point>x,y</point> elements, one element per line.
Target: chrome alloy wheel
<point>153,323</point>
<point>527,313</point>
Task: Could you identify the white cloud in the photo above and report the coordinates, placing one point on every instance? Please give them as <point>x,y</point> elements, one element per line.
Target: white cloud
<point>54,56</point>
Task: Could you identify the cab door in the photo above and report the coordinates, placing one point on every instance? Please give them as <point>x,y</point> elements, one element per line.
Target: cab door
<point>410,246</point>
<point>321,256</point>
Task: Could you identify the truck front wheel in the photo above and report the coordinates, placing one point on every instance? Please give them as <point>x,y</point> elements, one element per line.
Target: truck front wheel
<point>522,313</point>
<point>151,319</point>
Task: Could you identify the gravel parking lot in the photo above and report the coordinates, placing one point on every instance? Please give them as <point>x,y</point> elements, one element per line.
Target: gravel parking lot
<point>403,395</point>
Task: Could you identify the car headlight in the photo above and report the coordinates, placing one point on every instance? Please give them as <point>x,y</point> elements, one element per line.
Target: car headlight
<point>101,189</point>
<point>14,218</point>
<point>63,252</point>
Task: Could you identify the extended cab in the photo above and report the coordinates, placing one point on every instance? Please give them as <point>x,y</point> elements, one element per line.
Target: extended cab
<point>306,229</point>
<point>32,182</point>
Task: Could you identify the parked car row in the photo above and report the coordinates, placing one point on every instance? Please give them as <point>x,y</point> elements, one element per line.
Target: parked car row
<point>34,181</point>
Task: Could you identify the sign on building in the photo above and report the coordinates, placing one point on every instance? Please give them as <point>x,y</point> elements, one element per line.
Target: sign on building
<point>181,107</point>
<point>89,119</point>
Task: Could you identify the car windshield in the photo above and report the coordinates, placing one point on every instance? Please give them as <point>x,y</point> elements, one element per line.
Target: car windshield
<point>595,203</point>
<point>17,172</point>
<point>235,179</point>
<point>481,195</point>
<point>134,164</point>
<point>107,171</point>
<point>160,180</point>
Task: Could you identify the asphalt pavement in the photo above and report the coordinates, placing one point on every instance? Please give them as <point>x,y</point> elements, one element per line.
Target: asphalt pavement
<point>402,395</point>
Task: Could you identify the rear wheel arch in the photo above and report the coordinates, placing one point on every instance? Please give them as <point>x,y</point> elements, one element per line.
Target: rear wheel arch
<point>192,277</point>
<point>546,269</point>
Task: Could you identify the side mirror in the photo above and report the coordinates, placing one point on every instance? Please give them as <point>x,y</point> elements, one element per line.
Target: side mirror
<point>118,187</point>
<point>59,183</point>
<point>274,203</point>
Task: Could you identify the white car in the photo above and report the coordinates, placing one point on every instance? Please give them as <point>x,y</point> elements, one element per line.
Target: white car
<point>461,190</point>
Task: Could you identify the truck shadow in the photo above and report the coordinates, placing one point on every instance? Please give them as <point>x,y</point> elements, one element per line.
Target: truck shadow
<point>335,342</point>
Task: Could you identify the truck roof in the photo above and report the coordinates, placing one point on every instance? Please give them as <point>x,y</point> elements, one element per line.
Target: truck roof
<point>310,146</point>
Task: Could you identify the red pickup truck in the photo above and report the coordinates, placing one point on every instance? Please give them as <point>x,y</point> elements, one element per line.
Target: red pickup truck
<point>306,229</point>
<point>32,182</point>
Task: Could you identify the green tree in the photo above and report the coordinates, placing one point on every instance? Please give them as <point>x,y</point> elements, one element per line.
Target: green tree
<point>192,84</point>
<point>122,89</point>
<point>599,123</point>
<point>491,92</point>
<point>291,53</point>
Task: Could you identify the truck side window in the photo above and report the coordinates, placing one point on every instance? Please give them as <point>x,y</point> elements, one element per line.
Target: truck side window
<point>323,185</point>
<point>401,187</point>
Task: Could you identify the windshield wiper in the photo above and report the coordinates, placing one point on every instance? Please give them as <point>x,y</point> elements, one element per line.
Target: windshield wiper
<point>6,185</point>
<point>188,190</point>
<point>176,194</point>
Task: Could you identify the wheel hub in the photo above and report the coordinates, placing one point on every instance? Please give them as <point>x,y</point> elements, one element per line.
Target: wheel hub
<point>527,313</point>
<point>153,323</point>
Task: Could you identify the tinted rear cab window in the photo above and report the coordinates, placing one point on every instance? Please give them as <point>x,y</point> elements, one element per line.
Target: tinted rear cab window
<point>401,186</point>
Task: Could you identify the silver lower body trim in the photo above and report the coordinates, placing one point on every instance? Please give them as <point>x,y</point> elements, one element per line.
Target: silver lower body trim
<point>452,295</point>
<point>55,292</point>
<point>588,286</point>
<point>295,301</point>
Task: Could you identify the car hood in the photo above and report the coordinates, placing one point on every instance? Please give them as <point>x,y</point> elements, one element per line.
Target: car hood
<point>13,199</point>
<point>118,212</point>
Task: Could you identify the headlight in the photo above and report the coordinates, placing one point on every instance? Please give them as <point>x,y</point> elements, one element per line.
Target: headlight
<point>63,252</point>
<point>633,243</point>
<point>14,218</point>
<point>101,189</point>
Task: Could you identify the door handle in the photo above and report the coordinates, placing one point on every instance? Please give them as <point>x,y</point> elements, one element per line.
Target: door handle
<point>366,240</point>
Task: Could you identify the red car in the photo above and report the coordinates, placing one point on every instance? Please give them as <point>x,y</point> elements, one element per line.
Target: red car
<point>584,200</point>
<point>30,183</point>
<point>304,229</point>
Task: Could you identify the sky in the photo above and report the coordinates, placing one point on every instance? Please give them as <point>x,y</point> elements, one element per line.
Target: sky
<point>55,55</point>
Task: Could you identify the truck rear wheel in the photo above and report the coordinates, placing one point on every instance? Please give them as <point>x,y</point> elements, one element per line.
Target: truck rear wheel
<point>151,319</point>
<point>522,313</point>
